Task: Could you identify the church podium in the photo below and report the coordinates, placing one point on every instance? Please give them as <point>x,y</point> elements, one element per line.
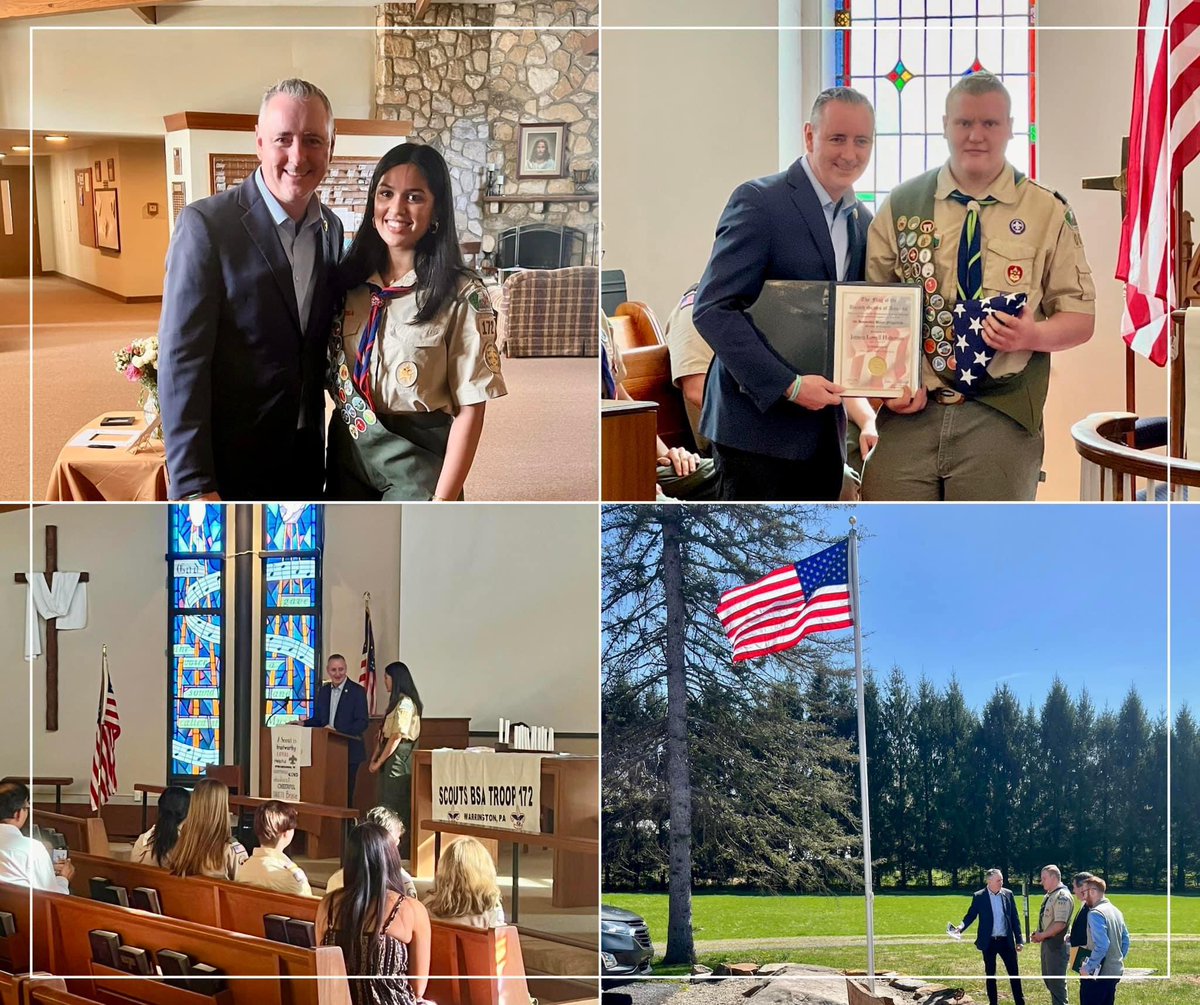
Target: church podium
<point>323,781</point>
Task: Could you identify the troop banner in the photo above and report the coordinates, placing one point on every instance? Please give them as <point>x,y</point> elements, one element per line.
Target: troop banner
<point>487,789</point>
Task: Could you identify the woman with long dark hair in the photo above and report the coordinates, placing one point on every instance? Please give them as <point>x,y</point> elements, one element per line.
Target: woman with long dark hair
<point>397,737</point>
<point>382,933</point>
<point>413,357</point>
<point>153,847</point>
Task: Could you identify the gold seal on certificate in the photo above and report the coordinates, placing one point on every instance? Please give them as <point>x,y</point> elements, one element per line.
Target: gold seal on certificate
<point>877,339</point>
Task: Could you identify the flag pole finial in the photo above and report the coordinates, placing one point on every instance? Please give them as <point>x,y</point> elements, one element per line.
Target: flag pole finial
<point>853,521</point>
<point>104,649</point>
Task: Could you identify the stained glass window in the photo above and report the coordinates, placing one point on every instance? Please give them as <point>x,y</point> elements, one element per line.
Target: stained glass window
<point>292,542</point>
<point>196,576</point>
<point>905,55</point>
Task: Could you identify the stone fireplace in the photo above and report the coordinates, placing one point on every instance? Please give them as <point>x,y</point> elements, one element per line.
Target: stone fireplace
<point>466,92</point>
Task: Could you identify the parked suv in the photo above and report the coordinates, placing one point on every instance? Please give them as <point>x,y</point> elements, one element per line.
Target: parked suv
<point>625,947</point>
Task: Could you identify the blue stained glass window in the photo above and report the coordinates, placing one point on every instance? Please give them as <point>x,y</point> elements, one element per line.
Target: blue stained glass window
<point>292,543</point>
<point>196,576</point>
<point>906,54</point>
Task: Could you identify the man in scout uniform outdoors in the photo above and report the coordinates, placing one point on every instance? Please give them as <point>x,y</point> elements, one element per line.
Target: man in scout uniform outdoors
<point>1006,284</point>
<point>1054,919</point>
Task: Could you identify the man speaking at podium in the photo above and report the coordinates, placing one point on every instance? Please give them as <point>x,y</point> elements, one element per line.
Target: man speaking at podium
<point>342,706</point>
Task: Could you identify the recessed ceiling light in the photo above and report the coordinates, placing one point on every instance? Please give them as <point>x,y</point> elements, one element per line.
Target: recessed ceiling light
<point>20,150</point>
<point>56,138</point>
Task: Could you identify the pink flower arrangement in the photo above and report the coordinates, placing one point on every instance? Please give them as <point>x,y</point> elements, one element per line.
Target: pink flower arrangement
<point>138,361</point>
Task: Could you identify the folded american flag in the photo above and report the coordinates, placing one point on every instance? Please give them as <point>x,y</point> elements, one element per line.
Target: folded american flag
<point>971,353</point>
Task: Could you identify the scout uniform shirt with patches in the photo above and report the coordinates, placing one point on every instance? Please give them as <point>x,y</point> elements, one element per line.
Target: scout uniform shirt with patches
<point>1030,245</point>
<point>1057,906</point>
<point>440,366</point>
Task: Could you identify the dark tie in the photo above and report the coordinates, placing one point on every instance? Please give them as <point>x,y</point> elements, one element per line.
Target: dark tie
<point>970,246</point>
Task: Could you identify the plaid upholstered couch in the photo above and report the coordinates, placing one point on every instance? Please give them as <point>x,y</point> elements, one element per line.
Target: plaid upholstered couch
<point>551,312</point>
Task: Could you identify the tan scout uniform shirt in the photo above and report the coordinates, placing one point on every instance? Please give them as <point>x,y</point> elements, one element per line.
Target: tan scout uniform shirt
<point>273,870</point>
<point>436,367</point>
<point>690,355</point>
<point>1057,906</point>
<point>403,722</point>
<point>1030,242</point>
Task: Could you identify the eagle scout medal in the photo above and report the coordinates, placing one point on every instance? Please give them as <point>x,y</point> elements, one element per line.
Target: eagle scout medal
<point>1017,227</point>
<point>491,356</point>
<point>406,373</point>
<point>1015,274</point>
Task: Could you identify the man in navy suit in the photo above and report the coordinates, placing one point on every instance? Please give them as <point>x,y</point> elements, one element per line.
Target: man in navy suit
<point>247,307</point>
<point>342,706</point>
<point>998,934</point>
<point>776,434</point>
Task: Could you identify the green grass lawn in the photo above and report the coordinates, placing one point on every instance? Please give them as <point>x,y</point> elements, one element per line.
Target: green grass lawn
<point>832,930</point>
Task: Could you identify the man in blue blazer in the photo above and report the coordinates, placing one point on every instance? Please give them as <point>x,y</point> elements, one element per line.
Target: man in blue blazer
<point>776,434</point>
<point>342,706</point>
<point>998,934</point>
<point>247,307</point>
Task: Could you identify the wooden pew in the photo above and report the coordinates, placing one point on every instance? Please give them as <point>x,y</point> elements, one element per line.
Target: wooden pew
<point>647,330</point>
<point>234,907</point>
<point>86,834</point>
<point>458,951</point>
<point>648,378</point>
<point>61,945</point>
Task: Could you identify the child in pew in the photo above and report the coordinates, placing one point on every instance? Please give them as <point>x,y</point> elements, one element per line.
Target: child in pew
<point>206,844</point>
<point>153,847</point>
<point>465,890</point>
<point>391,823</point>
<point>268,866</point>
<point>382,933</point>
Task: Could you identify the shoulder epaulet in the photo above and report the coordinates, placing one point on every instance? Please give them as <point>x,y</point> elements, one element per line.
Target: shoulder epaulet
<point>1046,188</point>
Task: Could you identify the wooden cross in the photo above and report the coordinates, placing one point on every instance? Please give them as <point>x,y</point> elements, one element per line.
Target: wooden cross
<point>51,568</point>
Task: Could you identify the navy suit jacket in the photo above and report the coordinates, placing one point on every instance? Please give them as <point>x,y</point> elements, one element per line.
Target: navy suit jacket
<point>241,385</point>
<point>772,228</point>
<point>351,719</point>
<point>981,908</point>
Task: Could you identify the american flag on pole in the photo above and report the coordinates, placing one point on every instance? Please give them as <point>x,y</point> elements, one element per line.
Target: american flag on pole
<point>108,728</point>
<point>780,609</point>
<point>366,669</point>
<point>1146,240</point>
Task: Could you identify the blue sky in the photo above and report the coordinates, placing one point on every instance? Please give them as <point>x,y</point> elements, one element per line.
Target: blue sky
<point>1019,593</point>
<point>1185,606</point>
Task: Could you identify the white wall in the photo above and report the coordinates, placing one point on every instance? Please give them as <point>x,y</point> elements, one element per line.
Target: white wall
<point>500,612</point>
<point>686,116</point>
<point>690,13</point>
<point>495,608</point>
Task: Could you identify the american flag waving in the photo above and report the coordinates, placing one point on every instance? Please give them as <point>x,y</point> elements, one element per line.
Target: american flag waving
<point>108,728</point>
<point>366,668</point>
<point>779,610</point>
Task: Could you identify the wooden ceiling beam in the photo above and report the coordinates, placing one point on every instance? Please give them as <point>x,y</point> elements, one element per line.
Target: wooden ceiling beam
<point>13,9</point>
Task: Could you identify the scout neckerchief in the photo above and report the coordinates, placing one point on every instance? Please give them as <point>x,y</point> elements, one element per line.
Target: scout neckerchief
<point>366,343</point>
<point>970,246</point>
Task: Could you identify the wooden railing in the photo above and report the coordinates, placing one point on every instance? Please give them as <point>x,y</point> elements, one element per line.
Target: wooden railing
<point>1113,471</point>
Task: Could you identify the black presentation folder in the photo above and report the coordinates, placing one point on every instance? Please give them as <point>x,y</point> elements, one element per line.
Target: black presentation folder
<point>795,316</point>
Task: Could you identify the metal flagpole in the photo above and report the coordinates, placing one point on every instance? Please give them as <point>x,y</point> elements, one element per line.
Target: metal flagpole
<point>862,755</point>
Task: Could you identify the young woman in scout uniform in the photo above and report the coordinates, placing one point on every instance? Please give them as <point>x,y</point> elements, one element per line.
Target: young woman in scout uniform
<point>413,353</point>
<point>397,736</point>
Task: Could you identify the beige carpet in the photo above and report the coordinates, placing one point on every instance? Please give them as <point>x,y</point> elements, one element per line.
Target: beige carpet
<point>541,442</point>
<point>14,390</point>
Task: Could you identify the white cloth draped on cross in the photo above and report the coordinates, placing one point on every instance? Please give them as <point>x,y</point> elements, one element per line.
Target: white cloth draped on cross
<point>64,598</point>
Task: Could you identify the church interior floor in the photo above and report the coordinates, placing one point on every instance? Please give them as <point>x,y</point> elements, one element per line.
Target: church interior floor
<point>539,442</point>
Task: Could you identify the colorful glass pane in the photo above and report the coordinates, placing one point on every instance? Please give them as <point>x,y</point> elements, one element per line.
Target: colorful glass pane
<point>290,527</point>
<point>197,528</point>
<point>196,691</point>
<point>904,55</point>
<point>289,657</point>
<point>291,581</point>
<point>196,583</point>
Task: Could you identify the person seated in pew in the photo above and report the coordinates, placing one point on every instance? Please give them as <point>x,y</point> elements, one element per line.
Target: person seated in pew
<point>679,473</point>
<point>268,866</point>
<point>24,859</point>
<point>153,847</point>
<point>382,933</point>
<point>465,889</point>
<point>206,845</point>
<point>391,823</point>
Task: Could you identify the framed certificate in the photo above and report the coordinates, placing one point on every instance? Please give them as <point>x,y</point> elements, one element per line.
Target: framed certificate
<point>877,339</point>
